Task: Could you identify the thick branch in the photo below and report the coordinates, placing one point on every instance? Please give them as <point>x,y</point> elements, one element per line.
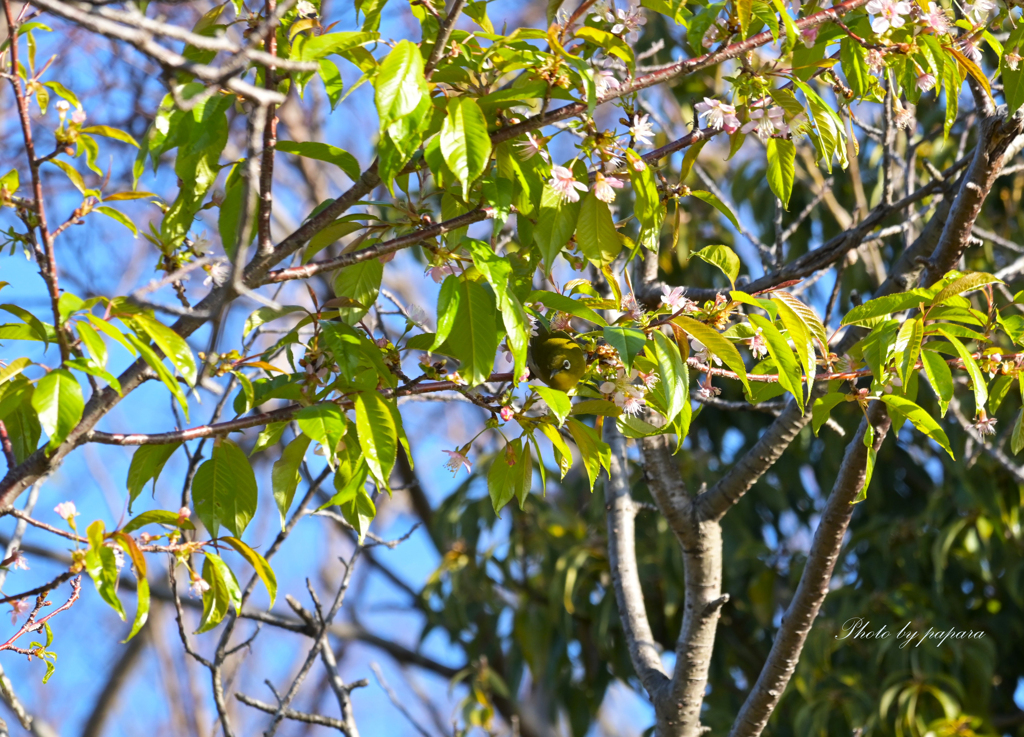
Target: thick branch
<point>814,582</point>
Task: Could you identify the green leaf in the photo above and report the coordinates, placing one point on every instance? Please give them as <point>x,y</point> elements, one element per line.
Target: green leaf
<point>147,463</point>
<point>908,347</point>
<point>563,456</point>
<point>334,85</point>
<point>474,338</point>
<point>810,318</point>
<point>101,565</point>
<point>269,436</point>
<point>169,342</point>
<point>317,47</point>
<point>781,168</point>
<point>356,505</point>
<point>724,258</point>
<point>378,435</point>
<point>142,584</point>
<point>629,342</point>
<point>715,343</point>
<point>119,216</point>
<point>716,203</point>
<point>596,453</point>
<point>920,419</point>
<point>800,334</point>
<point>556,222</point>
<point>14,368</point>
<point>285,476</point>
<point>325,424</point>
<point>400,84</point>
<point>823,407</point>
<point>448,299</point>
<point>361,283</point>
<point>224,489</point>
<point>323,152</point>
<point>560,302</point>
<point>464,141</point>
<point>595,231</point>
<point>157,516</point>
<point>790,374</point>
<point>58,402</point>
<point>150,357</point>
<point>1013,86</point>
<point>673,387</point>
<point>268,314</point>
<point>72,174</point>
<point>259,564</point>
<point>501,477</point>
<point>216,599</point>
<point>1017,439</point>
<point>884,306</point>
<point>966,283</point>
<point>973,370</point>
<point>744,10</point>
<point>108,132</point>
<point>853,57</point>
<point>557,401</point>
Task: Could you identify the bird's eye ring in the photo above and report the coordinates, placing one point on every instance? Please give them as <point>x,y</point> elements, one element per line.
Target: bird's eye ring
<point>566,365</point>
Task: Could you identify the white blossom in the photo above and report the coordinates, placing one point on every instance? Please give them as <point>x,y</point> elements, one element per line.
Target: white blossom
<point>718,114</point>
<point>564,182</point>
<point>888,14</point>
<point>604,187</point>
<point>642,131</point>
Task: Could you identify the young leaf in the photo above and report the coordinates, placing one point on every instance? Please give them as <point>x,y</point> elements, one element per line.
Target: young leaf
<point>378,436</point>
<point>973,370</point>
<point>939,376</point>
<point>324,423</point>
<point>596,453</point>
<point>790,375</point>
<point>921,419</point>
<point>147,463</point>
<point>224,489</point>
<point>724,258</point>
<point>674,377</point>
<point>715,343</point>
<point>474,339</point>
<point>138,560</point>
<point>716,203</point>
<point>558,402</point>
<point>58,402</point>
<point>781,168</point>
<point>400,85</point>
<point>465,145</point>
<point>629,342</point>
<point>259,564</point>
<point>823,407</point>
<point>595,231</point>
<point>285,475</point>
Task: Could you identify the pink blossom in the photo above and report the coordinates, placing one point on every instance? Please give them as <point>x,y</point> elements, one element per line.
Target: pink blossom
<point>719,115</point>
<point>66,511</point>
<point>632,308</point>
<point>985,425</point>
<point>642,131</point>
<point>78,117</point>
<point>925,81</point>
<point>604,80</point>
<point>560,321</point>
<point>199,586</point>
<point>17,561</point>
<point>970,48</point>
<point>766,122</point>
<point>810,37</point>
<point>604,187</point>
<point>184,513</point>
<point>875,60</point>
<point>758,346</point>
<point>18,607</point>
<point>888,14</point>
<point>702,354</point>
<point>1012,59</point>
<point>564,182</point>
<point>532,146</point>
<point>937,18</point>
<point>456,460</point>
<point>439,273</point>
<point>979,10</point>
<point>675,299</point>
<point>506,413</point>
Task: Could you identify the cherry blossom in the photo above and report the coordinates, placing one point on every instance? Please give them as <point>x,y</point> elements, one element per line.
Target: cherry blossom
<point>506,413</point>
<point>888,14</point>
<point>642,131</point>
<point>701,352</point>
<point>604,80</point>
<point>604,187</point>
<point>766,122</point>
<point>532,146</point>
<point>66,511</point>
<point>925,81</point>
<point>985,425</point>
<point>675,299</point>
<point>456,460</point>
<point>719,115</point>
<point>18,607</point>
<point>758,346</point>
<point>564,182</point>
<point>937,18</point>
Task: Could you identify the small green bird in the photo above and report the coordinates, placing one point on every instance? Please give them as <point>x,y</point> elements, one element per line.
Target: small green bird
<point>556,359</point>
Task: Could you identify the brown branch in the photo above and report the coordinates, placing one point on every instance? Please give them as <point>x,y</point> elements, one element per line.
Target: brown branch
<point>31,625</point>
<point>45,257</point>
<point>50,586</point>
<point>814,581</point>
<point>629,598</point>
<point>443,34</point>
